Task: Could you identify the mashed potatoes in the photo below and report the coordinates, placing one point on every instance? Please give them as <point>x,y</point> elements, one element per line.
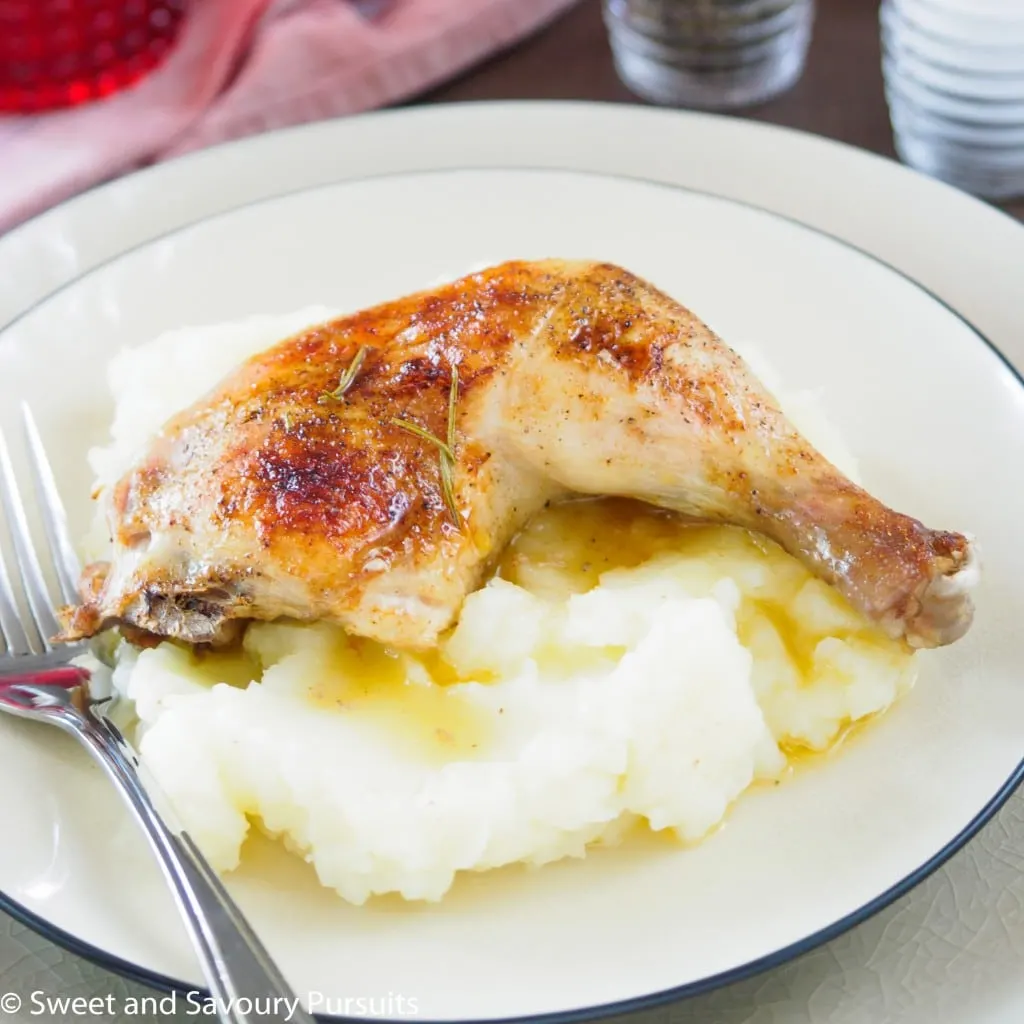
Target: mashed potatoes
<point>621,666</point>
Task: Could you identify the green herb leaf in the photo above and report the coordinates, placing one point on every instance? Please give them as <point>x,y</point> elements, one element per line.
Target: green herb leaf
<point>347,378</point>
<point>448,489</point>
<point>446,466</point>
<point>453,399</point>
<point>426,435</point>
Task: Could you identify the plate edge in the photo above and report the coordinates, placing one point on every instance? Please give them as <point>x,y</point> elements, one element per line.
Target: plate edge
<point>164,983</point>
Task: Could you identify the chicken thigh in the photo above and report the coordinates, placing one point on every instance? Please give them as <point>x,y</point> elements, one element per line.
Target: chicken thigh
<point>314,481</point>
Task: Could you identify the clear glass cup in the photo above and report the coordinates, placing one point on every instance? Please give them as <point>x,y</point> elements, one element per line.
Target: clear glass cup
<point>954,82</point>
<point>712,54</point>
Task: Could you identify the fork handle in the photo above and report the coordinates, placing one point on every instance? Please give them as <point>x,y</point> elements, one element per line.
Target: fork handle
<point>243,980</point>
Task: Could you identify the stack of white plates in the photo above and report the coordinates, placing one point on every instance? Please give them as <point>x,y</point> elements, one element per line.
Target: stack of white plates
<point>954,80</point>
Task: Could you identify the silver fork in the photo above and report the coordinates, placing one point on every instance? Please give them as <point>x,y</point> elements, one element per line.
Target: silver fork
<point>39,681</point>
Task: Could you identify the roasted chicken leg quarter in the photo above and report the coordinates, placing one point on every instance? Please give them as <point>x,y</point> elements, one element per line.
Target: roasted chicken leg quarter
<point>272,497</point>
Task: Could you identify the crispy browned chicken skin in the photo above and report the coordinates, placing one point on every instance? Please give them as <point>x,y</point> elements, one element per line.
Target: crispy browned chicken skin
<point>265,499</point>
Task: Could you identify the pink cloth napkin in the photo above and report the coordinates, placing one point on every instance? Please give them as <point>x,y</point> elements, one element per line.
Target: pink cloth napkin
<point>244,66</point>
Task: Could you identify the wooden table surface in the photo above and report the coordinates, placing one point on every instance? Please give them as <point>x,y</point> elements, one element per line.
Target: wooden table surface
<point>839,96</point>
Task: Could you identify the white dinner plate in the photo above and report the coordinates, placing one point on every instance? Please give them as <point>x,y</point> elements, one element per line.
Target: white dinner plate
<point>929,407</point>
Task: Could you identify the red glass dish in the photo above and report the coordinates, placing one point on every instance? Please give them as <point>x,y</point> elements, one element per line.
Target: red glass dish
<point>61,53</point>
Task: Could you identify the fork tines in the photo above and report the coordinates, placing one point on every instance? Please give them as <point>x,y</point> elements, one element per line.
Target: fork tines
<point>21,635</point>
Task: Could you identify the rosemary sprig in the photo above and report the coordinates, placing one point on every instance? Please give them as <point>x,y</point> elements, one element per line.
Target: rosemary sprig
<point>415,428</point>
<point>453,401</point>
<point>448,490</point>
<point>446,464</point>
<point>347,378</point>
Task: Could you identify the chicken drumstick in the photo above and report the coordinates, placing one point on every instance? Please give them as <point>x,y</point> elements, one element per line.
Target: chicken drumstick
<point>271,497</point>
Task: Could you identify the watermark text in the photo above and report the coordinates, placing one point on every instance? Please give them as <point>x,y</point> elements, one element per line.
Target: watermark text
<point>49,1006</point>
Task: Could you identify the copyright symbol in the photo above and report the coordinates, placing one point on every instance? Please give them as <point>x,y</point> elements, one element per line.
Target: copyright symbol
<point>10,1002</point>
